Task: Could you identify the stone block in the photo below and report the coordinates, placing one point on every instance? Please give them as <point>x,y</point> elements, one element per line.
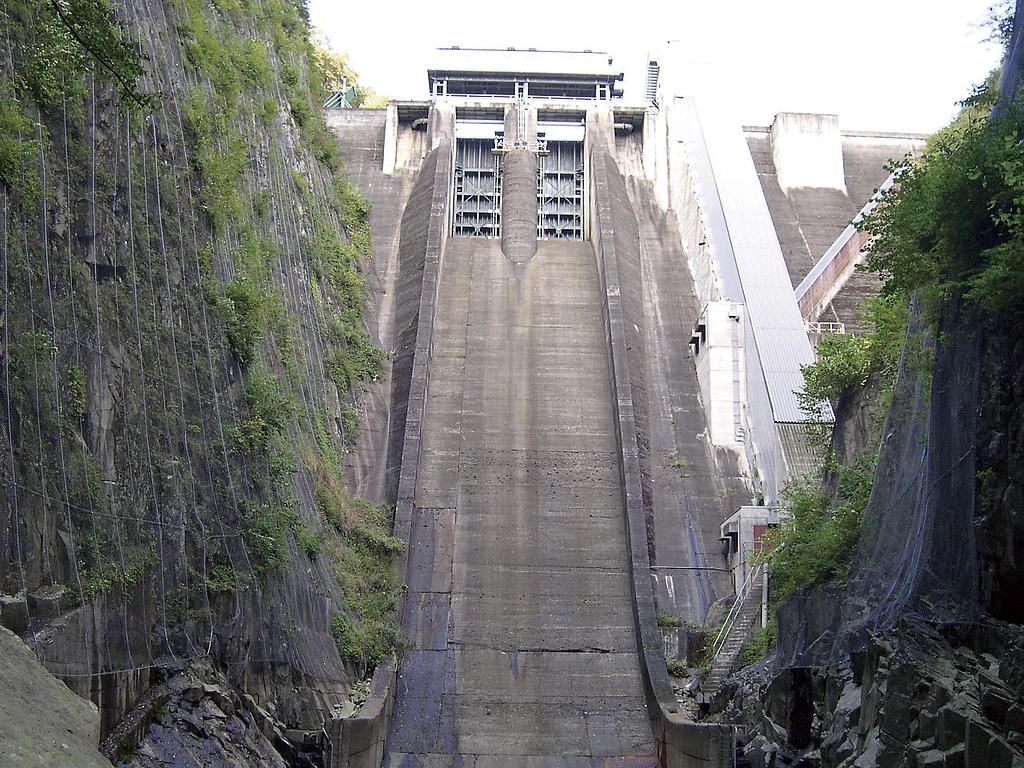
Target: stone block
<point>995,704</point>
<point>931,758</point>
<point>955,757</point>
<point>950,728</point>
<point>14,613</point>
<point>49,602</point>
<point>926,726</point>
<point>1014,721</point>
<point>999,754</point>
<point>978,737</point>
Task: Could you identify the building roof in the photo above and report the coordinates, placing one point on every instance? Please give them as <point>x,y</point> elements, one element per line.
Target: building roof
<point>494,71</point>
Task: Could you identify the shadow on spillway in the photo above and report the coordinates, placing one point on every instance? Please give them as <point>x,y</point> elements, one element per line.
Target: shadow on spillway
<point>520,608</point>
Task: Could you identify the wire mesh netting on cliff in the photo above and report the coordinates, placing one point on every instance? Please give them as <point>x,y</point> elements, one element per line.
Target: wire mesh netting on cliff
<point>181,330</point>
<point>916,555</point>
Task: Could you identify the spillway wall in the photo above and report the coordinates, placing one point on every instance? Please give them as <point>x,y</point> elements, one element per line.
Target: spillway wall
<point>421,244</point>
<point>615,236</point>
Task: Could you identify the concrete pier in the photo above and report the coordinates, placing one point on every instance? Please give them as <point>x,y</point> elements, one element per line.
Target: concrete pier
<point>519,205</point>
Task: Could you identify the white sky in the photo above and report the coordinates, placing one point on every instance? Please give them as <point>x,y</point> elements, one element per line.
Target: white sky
<point>896,65</point>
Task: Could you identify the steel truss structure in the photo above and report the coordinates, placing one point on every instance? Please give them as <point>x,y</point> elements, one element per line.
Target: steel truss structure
<point>560,191</point>
<point>477,189</point>
<point>477,204</point>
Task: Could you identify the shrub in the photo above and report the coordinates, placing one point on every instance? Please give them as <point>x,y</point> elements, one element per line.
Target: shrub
<point>350,424</point>
<point>266,528</point>
<point>309,541</point>
<point>676,668</point>
<point>267,414</point>
<point>955,222</point>
<point>75,398</point>
<point>224,578</point>
<point>759,644</point>
<point>245,319</point>
<point>365,629</point>
<point>817,541</point>
<point>843,361</point>
<point>666,620</point>
<point>19,154</point>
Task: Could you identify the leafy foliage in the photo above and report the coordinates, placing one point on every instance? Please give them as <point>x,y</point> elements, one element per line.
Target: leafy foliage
<point>19,154</point>
<point>267,414</point>
<point>817,541</point>
<point>676,667</point>
<point>955,223</point>
<point>843,361</point>
<point>90,23</point>
<point>332,72</point>
<point>365,629</point>
<point>266,535</point>
<point>244,317</point>
<point>70,38</point>
<point>759,644</point>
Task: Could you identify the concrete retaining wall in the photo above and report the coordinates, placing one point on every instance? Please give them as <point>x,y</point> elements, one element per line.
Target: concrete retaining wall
<point>428,233</point>
<point>614,234</point>
<point>358,741</point>
<point>837,265</point>
<point>697,745</point>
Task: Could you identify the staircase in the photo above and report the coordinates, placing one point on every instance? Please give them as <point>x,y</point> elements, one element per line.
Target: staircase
<point>743,618</point>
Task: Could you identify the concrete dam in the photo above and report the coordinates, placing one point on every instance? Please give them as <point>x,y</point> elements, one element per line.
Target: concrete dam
<point>586,386</point>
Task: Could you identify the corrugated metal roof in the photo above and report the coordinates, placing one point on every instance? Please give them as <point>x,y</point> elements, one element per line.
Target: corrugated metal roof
<point>753,245</point>
<point>524,61</point>
<point>801,457</point>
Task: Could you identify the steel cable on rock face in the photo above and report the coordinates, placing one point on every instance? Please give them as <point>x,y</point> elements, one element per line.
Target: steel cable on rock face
<point>16,516</point>
<point>71,272</point>
<point>38,411</point>
<point>239,589</point>
<point>295,333</point>
<point>143,398</point>
<point>44,214</point>
<point>189,316</point>
<point>112,494</point>
<point>189,320</point>
<point>218,417</point>
<point>177,365</point>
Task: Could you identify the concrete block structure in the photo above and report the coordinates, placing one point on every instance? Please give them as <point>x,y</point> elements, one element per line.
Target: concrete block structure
<point>596,347</point>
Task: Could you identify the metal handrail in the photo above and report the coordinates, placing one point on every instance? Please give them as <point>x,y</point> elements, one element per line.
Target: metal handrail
<point>734,612</point>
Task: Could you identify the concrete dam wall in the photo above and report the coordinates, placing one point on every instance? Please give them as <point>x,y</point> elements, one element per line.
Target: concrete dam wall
<point>529,491</point>
<point>519,596</point>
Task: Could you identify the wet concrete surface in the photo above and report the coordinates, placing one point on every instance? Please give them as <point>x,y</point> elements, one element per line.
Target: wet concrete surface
<point>519,602</point>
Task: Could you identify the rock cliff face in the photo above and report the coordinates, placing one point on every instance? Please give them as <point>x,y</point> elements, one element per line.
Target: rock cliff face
<point>916,695</point>
<point>909,664</point>
<point>999,493</point>
<point>183,355</point>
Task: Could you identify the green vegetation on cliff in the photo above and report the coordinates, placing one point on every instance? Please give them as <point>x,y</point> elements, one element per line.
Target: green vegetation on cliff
<point>955,223</point>
<point>952,229</point>
<point>816,541</point>
<point>183,339</point>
